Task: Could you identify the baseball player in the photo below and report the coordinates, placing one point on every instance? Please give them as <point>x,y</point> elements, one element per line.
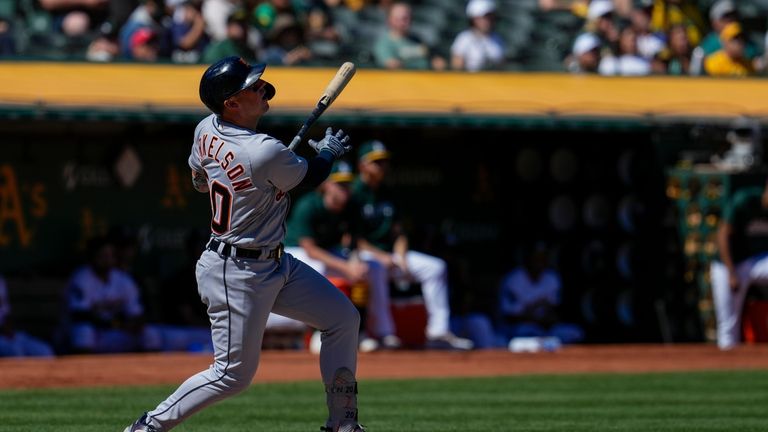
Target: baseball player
<point>318,225</point>
<point>382,238</point>
<point>243,274</point>
<point>742,242</point>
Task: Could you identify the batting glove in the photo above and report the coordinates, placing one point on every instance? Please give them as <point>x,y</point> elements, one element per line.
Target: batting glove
<point>334,143</point>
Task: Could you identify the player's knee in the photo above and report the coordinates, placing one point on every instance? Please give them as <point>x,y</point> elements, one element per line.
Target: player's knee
<point>352,316</point>
<point>236,383</point>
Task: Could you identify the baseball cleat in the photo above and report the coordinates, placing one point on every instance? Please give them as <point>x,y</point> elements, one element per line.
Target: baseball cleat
<point>141,425</point>
<point>391,342</point>
<point>449,341</point>
<point>351,427</point>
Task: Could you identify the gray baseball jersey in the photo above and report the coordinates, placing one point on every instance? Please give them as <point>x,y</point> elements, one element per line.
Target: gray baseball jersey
<point>248,210</point>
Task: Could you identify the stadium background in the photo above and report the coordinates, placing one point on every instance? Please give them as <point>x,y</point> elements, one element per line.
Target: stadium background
<point>486,161</point>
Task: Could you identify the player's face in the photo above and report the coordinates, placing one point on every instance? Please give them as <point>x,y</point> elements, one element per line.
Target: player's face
<point>374,171</point>
<point>335,196</point>
<point>252,103</point>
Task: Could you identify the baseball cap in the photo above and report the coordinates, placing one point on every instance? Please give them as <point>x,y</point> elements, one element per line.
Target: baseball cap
<point>598,8</point>
<point>585,42</point>
<point>372,150</point>
<point>478,8</point>
<point>341,172</point>
<point>731,31</point>
<point>721,9</point>
<point>142,36</point>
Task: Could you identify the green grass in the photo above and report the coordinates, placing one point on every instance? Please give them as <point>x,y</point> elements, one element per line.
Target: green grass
<point>701,401</point>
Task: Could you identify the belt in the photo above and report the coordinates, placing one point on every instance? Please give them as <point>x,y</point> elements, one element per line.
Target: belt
<point>228,250</point>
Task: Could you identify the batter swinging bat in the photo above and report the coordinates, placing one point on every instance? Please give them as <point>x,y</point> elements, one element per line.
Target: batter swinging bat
<point>334,88</point>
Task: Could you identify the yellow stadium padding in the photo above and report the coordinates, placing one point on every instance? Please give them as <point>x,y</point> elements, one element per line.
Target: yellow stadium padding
<point>174,88</point>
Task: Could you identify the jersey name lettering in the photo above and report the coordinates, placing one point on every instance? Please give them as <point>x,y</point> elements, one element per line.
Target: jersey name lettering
<point>211,147</point>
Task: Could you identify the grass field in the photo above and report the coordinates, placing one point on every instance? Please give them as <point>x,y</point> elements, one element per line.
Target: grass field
<point>701,401</point>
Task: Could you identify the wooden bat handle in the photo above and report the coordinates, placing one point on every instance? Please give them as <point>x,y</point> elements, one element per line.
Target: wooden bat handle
<point>343,76</point>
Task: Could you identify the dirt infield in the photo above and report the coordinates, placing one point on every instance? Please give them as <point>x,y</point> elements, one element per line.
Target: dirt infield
<point>173,368</point>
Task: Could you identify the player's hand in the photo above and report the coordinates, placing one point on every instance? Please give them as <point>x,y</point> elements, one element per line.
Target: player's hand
<point>334,143</point>
<point>357,270</point>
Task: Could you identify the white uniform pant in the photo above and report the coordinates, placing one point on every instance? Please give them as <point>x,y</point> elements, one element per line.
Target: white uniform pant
<point>729,304</point>
<point>380,321</point>
<point>432,273</point>
<point>239,294</point>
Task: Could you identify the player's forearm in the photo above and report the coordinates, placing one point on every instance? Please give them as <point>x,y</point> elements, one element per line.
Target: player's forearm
<point>331,261</point>
<point>318,169</point>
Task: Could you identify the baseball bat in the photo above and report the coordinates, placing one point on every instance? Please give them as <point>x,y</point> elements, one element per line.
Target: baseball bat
<point>343,76</point>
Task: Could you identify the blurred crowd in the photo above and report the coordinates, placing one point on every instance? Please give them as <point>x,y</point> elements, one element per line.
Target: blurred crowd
<point>609,37</point>
<point>673,37</point>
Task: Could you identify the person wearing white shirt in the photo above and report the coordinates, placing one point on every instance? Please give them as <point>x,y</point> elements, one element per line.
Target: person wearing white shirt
<point>478,47</point>
<point>529,298</point>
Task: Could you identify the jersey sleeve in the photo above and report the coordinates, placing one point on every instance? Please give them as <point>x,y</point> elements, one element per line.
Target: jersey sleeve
<point>194,157</point>
<point>278,165</point>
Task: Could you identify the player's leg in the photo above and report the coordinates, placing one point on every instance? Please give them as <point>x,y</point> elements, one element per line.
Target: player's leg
<point>238,314</point>
<point>726,301</point>
<point>432,273</point>
<point>309,297</point>
<point>300,254</point>
<point>379,312</point>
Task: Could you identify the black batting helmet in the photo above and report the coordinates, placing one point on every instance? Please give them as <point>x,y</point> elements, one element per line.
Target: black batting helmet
<point>228,76</point>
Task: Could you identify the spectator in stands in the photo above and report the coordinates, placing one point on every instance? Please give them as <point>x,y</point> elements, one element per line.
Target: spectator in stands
<point>236,42</point>
<point>149,14</point>
<point>145,46</point>
<point>742,243</point>
<point>677,56</point>
<point>649,44</point>
<point>7,40</point>
<point>318,233</point>
<point>628,62</point>
<point>76,17</point>
<point>216,13</point>
<point>600,22</point>
<point>266,13</point>
<point>731,60</point>
<point>188,32</point>
<point>104,48</point>
<point>105,310</point>
<point>479,47</point>
<point>14,342</point>
<point>381,236</point>
<point>722,13</point>
<point>324,38</point>
<point>399,48</point>
<point>585,55</point>
<point>667,13</point>
<point>286,44</point>
<point>530,297</point>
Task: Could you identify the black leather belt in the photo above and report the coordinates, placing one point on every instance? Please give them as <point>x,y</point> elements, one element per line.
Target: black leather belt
<point>228,250</point>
